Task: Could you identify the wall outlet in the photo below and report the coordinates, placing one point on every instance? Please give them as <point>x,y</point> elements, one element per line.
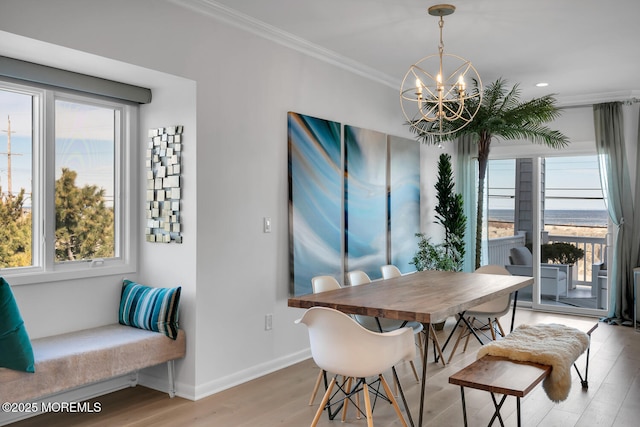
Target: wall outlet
<point>268,322</point>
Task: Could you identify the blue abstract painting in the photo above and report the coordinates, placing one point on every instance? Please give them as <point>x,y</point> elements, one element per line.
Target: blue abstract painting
<point>365,200</point>
<point>354,200</point>
<point>404,201</point>
<point>315,200</point>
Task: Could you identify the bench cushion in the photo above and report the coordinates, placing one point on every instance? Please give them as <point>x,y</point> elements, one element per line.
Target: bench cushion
<point>15,346</point>
<point>79,358</point>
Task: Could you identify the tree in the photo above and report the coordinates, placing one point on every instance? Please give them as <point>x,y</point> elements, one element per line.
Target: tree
<point>15,231</point>
<point>84,225</point>
<point>501,115</point>
<point>449,212</point>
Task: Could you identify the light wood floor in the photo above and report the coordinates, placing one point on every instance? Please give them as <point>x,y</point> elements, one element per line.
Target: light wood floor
<point>280,399</point>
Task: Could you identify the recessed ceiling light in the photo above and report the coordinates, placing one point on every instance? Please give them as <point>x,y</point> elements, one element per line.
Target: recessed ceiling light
<point>542,84</point>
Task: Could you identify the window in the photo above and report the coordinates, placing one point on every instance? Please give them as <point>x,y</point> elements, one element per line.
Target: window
<point>65,175</point>
<point>501,197</point>
<point>84,171</point>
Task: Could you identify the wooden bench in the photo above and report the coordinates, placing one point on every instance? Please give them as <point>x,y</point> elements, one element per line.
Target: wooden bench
<point>499,375</point>
<point>512,378</point>
<point>67,361</point>
<point>584,325</point>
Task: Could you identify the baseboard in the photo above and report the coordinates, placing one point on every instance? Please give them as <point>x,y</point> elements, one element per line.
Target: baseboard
<point>162,384</point>
<point>79,394</point>
<point>252,373</point>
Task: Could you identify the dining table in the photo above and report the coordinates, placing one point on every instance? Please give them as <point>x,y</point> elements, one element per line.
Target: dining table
<point>425,296</point>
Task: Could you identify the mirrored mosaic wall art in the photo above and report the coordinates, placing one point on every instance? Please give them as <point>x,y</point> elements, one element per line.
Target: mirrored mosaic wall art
<point>163,161</point>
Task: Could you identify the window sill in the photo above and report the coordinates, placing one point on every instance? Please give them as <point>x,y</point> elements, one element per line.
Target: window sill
<point>32,277</point>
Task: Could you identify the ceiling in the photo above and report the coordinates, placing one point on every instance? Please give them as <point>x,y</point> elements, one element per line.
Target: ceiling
<point>586,50</point>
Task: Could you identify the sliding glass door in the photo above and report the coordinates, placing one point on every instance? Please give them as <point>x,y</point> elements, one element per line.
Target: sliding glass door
<point>546,218</point>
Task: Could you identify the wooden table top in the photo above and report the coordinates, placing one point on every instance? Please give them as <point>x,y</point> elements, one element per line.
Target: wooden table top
<point>422,296</point>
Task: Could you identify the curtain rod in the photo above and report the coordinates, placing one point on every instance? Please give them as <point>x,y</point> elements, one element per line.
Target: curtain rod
<point>629,101</point>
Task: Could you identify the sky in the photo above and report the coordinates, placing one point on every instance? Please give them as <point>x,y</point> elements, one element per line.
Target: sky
<point>84,142</point>
<point>572,183</point>
<point>17,108</point>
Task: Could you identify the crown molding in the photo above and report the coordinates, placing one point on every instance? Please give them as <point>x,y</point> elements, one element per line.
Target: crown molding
<point>588,100</point>
<point>247,23</point>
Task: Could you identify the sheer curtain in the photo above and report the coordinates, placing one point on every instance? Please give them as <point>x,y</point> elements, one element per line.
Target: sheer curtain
<point>616,187</point>
<point>467,181</point>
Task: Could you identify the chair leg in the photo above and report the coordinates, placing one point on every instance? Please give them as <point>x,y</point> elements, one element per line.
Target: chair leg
<point>415,375</point>
<point>455,346</point>
<point>346,401</point>
<point>466,341</point>
<point>316,387</point>
<point>493,330</point>
<point>395,387</point>
<point>367,405</point>
<point>394,402</point>
<point>436,344</point>
<point>500,327</point>
<point>415,372</point>
<point>325,399</point>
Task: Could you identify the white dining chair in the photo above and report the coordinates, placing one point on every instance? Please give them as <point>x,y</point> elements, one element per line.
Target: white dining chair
<point>381,324</point>
<point>488,314</point>
<point>357,278</point>
<point>390,271</point>
<point>322,284</point>
<point>342,346</point>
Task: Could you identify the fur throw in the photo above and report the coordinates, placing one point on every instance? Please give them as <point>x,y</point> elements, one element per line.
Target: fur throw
<point>548,344</point>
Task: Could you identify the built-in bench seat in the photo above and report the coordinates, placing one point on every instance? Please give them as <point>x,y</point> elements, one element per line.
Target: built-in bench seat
<point>67,361</point>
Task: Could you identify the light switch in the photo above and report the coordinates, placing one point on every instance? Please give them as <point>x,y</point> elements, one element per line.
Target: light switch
<point>267,224</point>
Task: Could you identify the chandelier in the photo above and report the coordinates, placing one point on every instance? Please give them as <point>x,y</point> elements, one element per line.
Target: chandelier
<point>434,95</point>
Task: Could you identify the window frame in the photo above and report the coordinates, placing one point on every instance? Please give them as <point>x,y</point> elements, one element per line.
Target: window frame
<point>44,268</point>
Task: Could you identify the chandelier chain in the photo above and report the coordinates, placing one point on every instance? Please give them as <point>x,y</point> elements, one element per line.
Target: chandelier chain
<point>441,45</point>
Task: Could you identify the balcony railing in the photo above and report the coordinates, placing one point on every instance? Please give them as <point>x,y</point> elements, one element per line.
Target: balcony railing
<point>498,249</point>
<point>594,251</point>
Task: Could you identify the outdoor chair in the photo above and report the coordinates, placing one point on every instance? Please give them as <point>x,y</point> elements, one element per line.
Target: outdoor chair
<point>553,277</point>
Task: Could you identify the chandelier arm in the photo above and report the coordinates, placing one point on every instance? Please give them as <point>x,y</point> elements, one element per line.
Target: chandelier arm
<point>429,115</point>
<point>455,114</point>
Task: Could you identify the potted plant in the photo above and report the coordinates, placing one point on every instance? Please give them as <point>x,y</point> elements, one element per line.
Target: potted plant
<point>561,253</point>
<point>449,211</point>
<point>431,256</point>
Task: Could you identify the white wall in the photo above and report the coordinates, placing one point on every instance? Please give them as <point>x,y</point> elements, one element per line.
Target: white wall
<point>231,90</point>
<point>575,122</point>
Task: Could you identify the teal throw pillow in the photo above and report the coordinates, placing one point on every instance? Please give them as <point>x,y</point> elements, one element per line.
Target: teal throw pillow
<point>15,347</point>
<point>153,309</point>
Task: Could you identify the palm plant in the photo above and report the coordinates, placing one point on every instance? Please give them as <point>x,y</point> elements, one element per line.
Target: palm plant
<point>501,115</point>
